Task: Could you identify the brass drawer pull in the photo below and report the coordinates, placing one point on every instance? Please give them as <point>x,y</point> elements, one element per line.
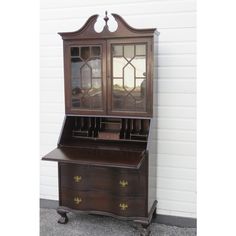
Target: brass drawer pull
<point>123,206</point>
<point>77,178</point>
<point>77,200</point>
<point>123,183</point>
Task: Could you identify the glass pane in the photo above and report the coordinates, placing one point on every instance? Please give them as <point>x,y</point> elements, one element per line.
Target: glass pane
<point>129,103</point>
<point>96,51</point>
<point>97,101</point>
<point>76,64</point>
<point>118,65</point>
<point>129,77</point>
<point>76,90</point>
<point>117,50</point>
<point>95,93</point>
<point>139,94</point>
<point>140,65</point>
<point>140,105</point>
<point>95,64</point>
<point>129,51</point>
<point>140,89</point>
<point>118,93</point>
<point>85,54</point>
<point>74,51</point>
<point>85,101</point>
<point>76,103</point>
<point>140,49</point>
<point>117,104</point>
<point>117,84</point>
<point>86,77</point>
<point>96,83</point>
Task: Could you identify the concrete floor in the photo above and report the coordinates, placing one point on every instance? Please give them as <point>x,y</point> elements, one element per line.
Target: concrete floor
<point>90,225</point>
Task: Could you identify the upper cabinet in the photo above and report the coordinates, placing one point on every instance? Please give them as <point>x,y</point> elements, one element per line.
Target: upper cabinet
<point>109,73</point>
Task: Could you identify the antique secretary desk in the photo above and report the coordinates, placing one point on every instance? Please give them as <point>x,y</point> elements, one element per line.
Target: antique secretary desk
<point>102,154</point>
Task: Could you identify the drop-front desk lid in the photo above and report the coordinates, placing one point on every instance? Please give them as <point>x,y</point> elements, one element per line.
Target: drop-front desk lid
<point>97,157</point>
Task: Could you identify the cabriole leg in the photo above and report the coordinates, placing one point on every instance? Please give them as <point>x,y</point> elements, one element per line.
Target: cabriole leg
<point>63,214</point>
<point>145,230</point>
<point>154,214</point>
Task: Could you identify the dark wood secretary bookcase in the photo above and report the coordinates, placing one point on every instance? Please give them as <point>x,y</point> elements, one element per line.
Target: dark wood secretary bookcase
<point>102,154</point>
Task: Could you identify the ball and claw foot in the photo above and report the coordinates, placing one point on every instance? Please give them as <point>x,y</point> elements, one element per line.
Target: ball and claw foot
<point>145,231</point>
<point>64,218</point>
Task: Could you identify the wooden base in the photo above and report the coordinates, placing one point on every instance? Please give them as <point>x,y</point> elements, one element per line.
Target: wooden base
<point>144,222</point>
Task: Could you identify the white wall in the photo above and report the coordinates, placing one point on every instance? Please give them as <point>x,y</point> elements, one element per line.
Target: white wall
<point>176,87</point>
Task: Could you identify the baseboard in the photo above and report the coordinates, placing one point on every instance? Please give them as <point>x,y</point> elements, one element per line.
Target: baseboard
<point>183,222</point>
<point>161,219</point>
<point>50,204</point>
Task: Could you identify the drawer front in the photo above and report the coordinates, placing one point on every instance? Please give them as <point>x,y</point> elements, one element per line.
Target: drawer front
<point>118,181</point>
<point>74,176</point>
<point>101,201</point>
<point>114,180</point>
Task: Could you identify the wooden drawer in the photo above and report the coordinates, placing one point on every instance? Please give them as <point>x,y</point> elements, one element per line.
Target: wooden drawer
<point>74,176</point>
<point>113,180</point>
<point>101,201</point>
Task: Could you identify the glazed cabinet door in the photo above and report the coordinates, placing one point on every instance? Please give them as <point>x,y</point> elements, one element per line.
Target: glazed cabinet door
<point>129,77</point>
<point>85,77</point>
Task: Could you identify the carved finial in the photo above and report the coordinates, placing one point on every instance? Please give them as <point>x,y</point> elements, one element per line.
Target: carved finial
<point>106,18</point>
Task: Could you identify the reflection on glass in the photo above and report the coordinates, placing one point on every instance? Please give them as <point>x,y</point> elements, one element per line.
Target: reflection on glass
<point>95,64</point>
<point>85,53</point>
<point>97,101</point>
<point>117,51</point>
<point>118,65</point>
<point>140,65</point>
<point>76,64</point>
<point>117,104</point>
<point>129,51</point>
<point>85,101</point>
<point>140,49</point>
<point>139,83</point>
<point>95,51</point>
<point>129,77</point>
<point>118,84</point>
<point>86,77</point>
<point>118,93</point>
<point>76,90</point>
<point>96,83</point>
<point>130,103</point>
<point>76,102</point>
<point>140,88</point>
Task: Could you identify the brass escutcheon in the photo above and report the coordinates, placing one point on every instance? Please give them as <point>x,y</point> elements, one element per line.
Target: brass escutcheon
<point>123,183</point>
<point>77,178</point>
<point>123,206</point>
<point>77,200</point>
